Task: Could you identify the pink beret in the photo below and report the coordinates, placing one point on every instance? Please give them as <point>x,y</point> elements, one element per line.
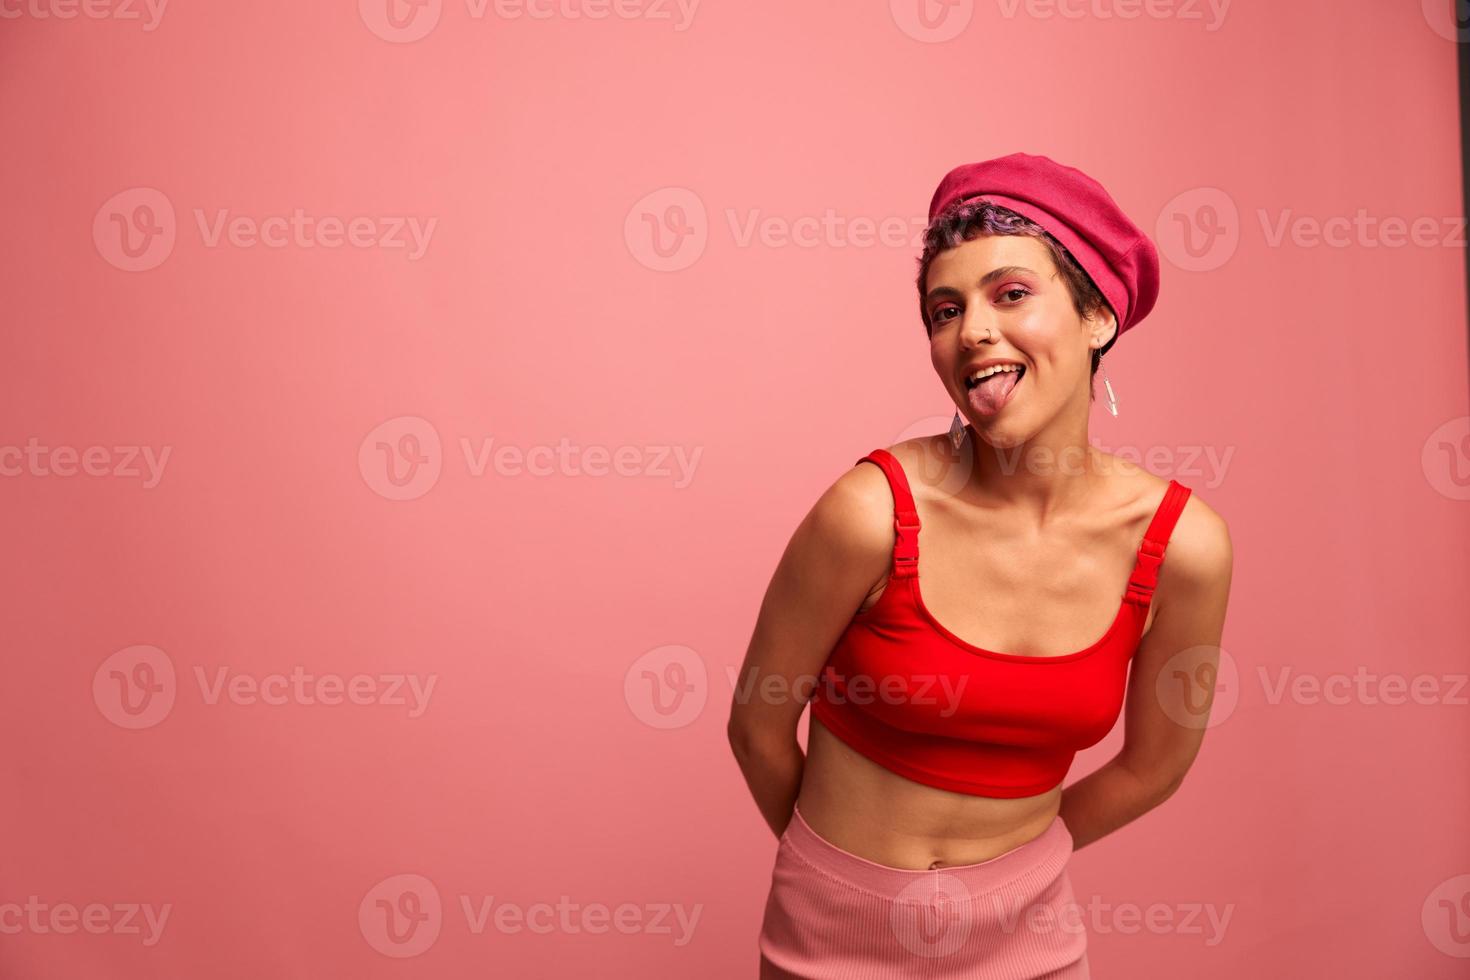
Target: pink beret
<point>1074,208</point>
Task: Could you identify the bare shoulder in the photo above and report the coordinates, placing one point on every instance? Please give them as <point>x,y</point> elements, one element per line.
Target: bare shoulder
<point>854,515</point>
<point>1199,556</point>
<point>1199,549</point>
<point>924,459</point>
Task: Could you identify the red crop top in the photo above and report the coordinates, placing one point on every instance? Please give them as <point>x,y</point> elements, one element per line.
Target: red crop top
<point>913,697</point>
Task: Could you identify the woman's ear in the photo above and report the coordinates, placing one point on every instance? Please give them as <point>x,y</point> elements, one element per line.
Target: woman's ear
<point>1103,325</point>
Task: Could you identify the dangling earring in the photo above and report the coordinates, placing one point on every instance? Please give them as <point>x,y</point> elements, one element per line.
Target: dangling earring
<point>957,430</point>
<point>1112,401</point>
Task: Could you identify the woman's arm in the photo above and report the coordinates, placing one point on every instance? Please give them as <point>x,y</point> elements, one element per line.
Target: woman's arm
<point>1169,697</point>
<point>842,546</point>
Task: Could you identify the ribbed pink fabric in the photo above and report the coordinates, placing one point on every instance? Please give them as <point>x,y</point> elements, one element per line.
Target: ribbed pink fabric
<point>832,915</point>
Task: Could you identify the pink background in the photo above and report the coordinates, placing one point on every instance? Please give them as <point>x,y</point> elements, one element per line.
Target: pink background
<point>1328,383</point>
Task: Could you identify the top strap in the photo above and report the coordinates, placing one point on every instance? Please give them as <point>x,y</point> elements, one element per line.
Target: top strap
<point>905,517</point>
<point>1145,575</point>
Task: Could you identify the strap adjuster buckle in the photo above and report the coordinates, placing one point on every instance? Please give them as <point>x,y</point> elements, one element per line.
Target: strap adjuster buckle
<point>906,551</point>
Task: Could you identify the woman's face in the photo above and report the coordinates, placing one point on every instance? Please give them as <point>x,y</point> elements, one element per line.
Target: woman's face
<point>1009,285</point>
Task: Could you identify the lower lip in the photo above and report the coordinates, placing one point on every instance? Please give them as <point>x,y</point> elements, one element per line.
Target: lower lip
<point>1010,396</point>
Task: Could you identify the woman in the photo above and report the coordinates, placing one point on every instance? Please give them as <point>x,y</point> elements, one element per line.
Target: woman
<point>926,832</point>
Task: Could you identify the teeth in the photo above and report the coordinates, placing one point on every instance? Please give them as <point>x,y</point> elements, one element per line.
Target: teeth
<point>979,376</point>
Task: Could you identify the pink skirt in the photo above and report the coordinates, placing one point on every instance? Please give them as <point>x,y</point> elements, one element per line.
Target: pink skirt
<point>832,914</point>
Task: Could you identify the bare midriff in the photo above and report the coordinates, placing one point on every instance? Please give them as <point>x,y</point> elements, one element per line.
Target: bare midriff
<point>867,810</point>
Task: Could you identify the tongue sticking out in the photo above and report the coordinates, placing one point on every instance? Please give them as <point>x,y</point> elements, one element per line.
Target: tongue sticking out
<point>988,396</point>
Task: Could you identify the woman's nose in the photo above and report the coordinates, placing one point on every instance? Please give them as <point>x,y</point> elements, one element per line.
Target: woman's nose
<point>976,327</point>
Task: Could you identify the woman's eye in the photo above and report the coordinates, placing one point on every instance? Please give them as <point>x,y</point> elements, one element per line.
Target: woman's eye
<point>939,314</point>
<point>1017,289</point>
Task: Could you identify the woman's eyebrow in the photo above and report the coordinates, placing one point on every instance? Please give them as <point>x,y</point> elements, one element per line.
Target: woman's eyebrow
<point>985,280</point>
